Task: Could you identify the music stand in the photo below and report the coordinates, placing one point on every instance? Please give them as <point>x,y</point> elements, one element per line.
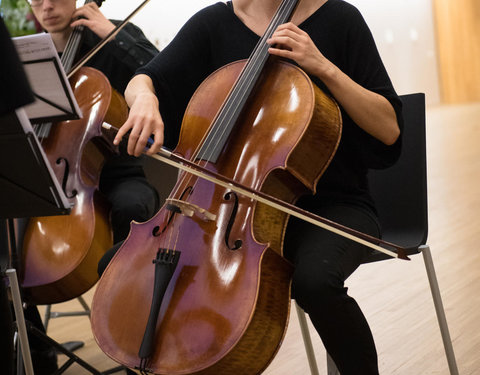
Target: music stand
<point>54,99</point>
<point>29,188</point>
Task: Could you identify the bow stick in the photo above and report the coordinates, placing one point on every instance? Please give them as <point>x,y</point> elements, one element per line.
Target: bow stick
<point>188,166</point>
<point>109,37</point>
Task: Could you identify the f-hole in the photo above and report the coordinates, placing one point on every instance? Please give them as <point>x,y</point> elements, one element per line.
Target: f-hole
<point>238,243</point>
<point>65,178</point>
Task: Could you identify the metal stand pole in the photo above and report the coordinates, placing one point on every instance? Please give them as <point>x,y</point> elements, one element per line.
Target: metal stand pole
<point>20,318</point>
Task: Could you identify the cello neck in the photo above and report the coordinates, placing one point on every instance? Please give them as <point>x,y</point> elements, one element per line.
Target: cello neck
<point>73,44</point>
<point>222,126</point>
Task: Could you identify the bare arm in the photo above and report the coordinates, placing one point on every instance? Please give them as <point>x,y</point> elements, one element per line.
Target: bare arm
<point>372,112</point>
<point>144,118</point>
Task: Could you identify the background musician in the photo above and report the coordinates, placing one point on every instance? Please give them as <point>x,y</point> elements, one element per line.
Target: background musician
<point>122,179</point>
<point>330,40</point>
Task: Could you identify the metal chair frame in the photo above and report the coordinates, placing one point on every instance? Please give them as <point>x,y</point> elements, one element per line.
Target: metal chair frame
<point>403,216</point>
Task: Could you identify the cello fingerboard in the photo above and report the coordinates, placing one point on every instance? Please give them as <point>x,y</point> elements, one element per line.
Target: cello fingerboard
<point>228,115</point>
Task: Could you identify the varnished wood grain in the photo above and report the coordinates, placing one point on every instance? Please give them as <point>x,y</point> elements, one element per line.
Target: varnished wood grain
<point>395,295</point>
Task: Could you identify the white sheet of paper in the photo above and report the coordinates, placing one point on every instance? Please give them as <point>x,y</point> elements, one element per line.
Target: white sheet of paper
<point>44,78</point>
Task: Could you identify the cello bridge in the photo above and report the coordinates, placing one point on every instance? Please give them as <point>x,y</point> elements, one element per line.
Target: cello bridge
<point>189,209</point>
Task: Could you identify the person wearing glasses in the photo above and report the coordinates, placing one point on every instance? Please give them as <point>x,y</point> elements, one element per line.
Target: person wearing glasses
<point>122,179</point>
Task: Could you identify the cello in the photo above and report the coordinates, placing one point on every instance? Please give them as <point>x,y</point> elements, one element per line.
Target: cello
<point>60,253</point>
<point>225,307</point>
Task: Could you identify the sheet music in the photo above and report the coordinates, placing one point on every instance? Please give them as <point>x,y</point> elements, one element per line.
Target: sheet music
<point>54,96</point>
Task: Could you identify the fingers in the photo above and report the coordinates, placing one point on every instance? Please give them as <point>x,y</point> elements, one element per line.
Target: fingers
<point>290,42</point>
<point>88,11</point>
<point>144,121</point>
<point>288,36</point>
<point>123,131</point>
<point>158,143</point>
<point>90,16</point>
<point>285,44</point>
<point>139,136</point>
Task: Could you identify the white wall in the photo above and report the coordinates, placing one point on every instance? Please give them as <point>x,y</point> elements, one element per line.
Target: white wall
<point>159,19</point>
<point>405,36</point>
<point>403,30</point>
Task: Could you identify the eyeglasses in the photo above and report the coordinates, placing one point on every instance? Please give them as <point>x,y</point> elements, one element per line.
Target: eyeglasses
<point>37,3</point>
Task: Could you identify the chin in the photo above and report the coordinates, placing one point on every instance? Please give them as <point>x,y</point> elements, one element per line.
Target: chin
<point>57,28</point>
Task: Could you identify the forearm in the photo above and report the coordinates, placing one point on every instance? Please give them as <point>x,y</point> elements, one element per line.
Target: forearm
<point>372,112</point>
<point>140,85</point>
<point>369,110</point>
<point>144,119</point>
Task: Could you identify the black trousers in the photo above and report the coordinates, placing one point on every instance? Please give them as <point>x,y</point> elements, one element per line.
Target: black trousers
<point>131,199</point>
<point>323,261</point>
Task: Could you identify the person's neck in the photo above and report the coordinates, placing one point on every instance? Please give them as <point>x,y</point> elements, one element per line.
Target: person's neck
<point>60,39</point>
<point>257,14</point>
<point>268,8</point>
<point>260,9</point>
<point>305,9</point>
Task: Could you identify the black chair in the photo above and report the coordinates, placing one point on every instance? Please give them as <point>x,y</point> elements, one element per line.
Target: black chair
<point>400,193</point>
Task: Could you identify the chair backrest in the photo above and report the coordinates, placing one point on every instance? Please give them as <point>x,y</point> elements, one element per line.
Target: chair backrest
<point>400,191</point>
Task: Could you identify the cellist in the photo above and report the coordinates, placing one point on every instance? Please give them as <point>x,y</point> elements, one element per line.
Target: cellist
<point>330,40</point>
<point>123,180</point>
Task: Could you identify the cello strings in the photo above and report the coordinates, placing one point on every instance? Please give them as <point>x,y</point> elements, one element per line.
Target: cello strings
<point>244,81</point>
<point>71,47</point>
<point>231,106</point>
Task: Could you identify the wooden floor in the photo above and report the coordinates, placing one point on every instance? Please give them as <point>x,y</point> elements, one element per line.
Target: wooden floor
<point>395,295</point>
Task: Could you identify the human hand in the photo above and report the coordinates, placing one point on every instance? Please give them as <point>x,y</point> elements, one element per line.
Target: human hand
<point>291,42</point>
<point>143,121</point>
<point>90,16</point>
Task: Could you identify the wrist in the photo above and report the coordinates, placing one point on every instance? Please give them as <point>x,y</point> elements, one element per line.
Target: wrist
<point>328,72</point>
<point>147,96</point>
<point>106,30</point>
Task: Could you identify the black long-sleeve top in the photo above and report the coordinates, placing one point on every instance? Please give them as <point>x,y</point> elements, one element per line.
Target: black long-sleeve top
<point>215,36</point>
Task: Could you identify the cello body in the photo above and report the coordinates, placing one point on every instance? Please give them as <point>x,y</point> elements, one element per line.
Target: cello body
<point>60,253</point>
<point>226,308</point>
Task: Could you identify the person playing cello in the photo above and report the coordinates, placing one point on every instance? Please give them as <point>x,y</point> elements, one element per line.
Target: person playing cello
<point>122,180</point>
<point>330,40</point>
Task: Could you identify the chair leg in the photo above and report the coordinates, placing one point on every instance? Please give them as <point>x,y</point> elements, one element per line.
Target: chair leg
<point>71,346</point>
<point>307,340</point>
<point>437,300</point>
<point>49,314</point>
<point>85,306</point>
<point>46,317</point>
